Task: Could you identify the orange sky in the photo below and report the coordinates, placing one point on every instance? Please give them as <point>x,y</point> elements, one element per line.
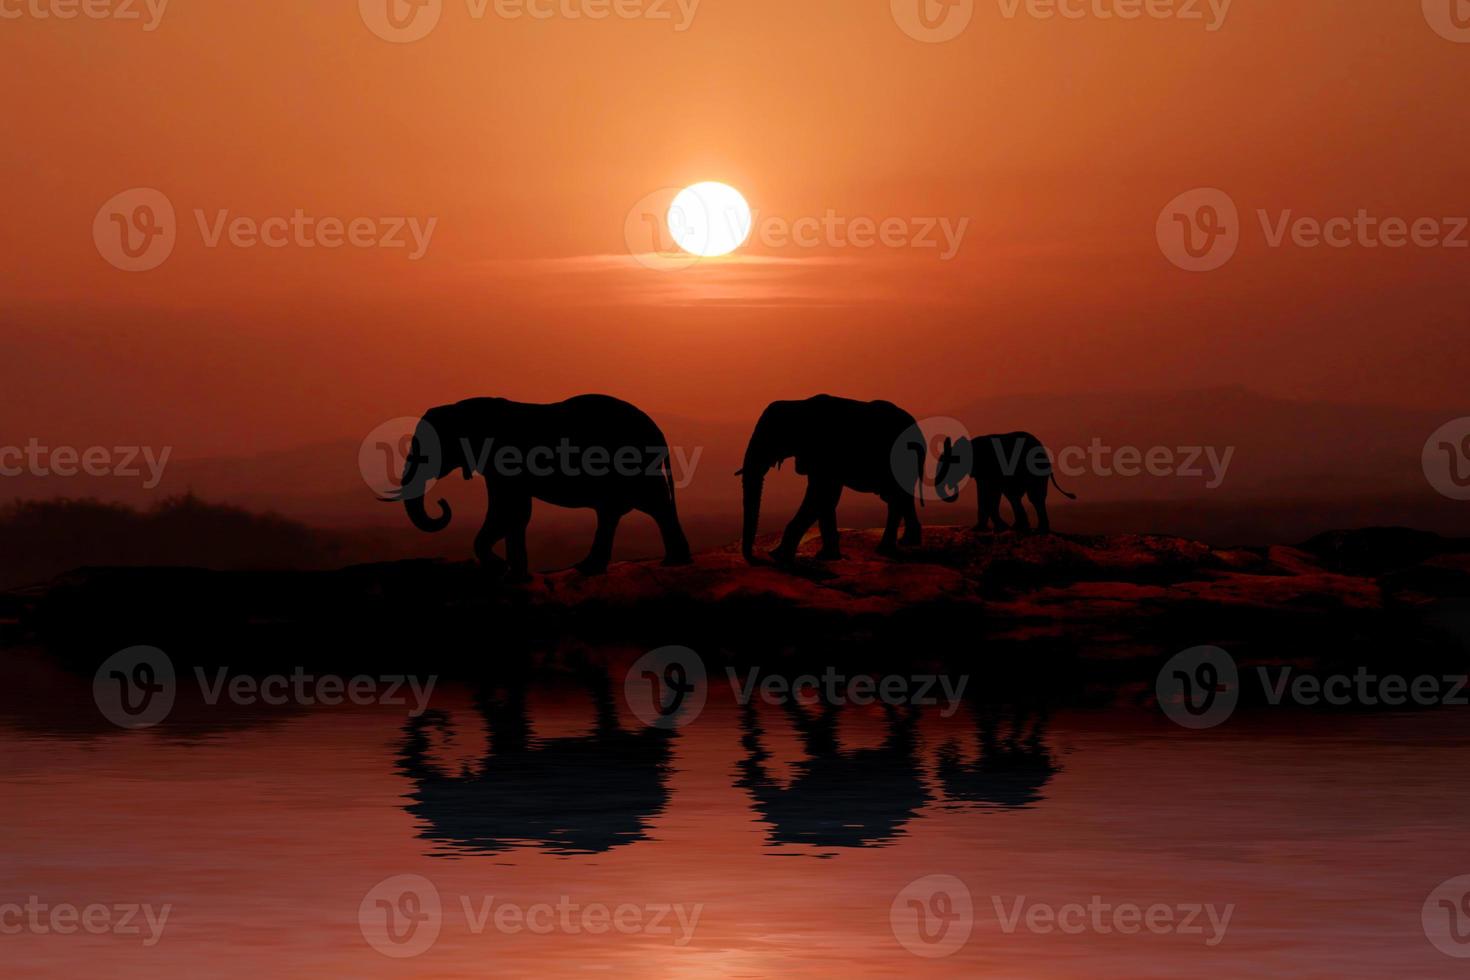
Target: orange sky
<point>529,141</point>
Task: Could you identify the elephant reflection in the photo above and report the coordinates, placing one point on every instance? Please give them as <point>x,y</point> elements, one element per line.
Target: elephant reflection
<point>1012,767</point>
<point>837,798</point>
<point>584,794</point>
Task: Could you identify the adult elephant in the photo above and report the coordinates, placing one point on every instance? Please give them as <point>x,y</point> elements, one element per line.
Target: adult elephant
<point>590,451</point>
<point>575,794</point>
<point>835,797</point>
<point>871,447</point>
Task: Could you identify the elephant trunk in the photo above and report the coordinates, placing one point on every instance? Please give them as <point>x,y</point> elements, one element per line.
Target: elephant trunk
<point>753,482</point>
<point>419,514</point>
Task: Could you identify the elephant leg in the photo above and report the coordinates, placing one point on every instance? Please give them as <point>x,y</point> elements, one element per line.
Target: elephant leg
<point>602,542</point>
<point>1037,496</point>
<point>913,532</point>
<point>991,505</point>
<point>517,518</point>
<point>1018,510</point>
<point>827,522</point>
<point>676,546</point>
<point>982,516</point>
<point>806,516</point>
<point>889,544</point>
<point>490,535</point>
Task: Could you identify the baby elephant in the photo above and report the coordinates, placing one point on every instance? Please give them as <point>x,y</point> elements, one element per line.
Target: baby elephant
<point>1015,465</point>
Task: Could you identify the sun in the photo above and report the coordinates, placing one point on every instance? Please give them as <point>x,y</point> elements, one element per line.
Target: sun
<point>709,219</point>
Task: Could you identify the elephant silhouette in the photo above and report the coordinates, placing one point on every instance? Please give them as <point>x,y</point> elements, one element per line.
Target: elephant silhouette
<point>574,795</point>
<point>1015,465</point>
<point>591,451</point>
<point>871,447</point>
<point>837,798</point>
<point>1011,769</point>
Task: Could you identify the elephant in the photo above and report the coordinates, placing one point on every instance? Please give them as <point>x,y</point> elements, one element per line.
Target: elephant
<point>591,451</point>
<point>836,797</point>
<point>1012,768</point>
<point>583,794</point>
<point>838,443</point>
<point>1012,465</point>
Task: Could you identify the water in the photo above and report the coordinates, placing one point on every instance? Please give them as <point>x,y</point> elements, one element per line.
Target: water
<point>783,839</point>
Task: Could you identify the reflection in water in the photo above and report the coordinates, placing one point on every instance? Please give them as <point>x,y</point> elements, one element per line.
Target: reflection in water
<point>1011,768</point>
<point>575,795</point>
<point>837,798</point>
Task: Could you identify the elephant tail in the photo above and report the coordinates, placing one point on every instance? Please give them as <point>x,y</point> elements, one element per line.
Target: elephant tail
<point>1069,496</point>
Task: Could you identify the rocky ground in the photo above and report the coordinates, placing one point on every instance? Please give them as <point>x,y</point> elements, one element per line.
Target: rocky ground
<point>1353,595</point>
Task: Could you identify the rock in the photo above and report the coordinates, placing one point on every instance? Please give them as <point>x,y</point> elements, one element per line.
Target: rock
<point>961,595</point>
